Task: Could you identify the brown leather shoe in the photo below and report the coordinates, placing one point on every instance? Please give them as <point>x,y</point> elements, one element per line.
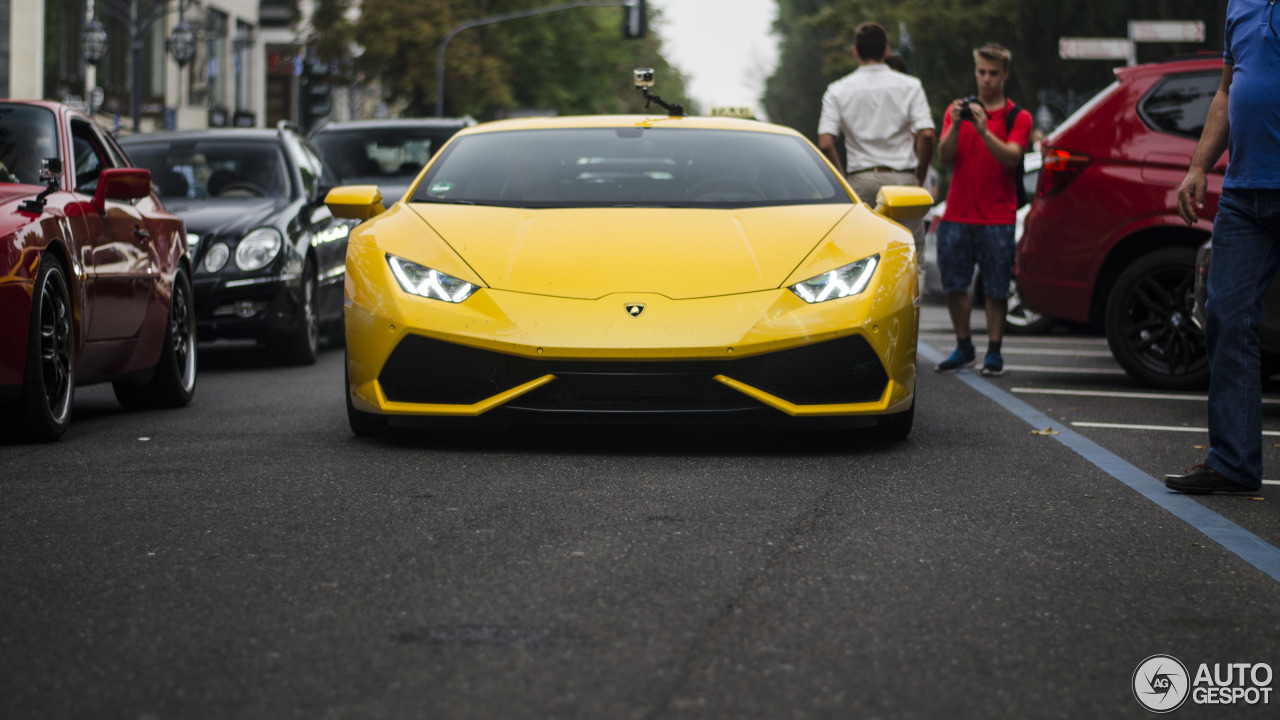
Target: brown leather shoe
<point>1200,479</point>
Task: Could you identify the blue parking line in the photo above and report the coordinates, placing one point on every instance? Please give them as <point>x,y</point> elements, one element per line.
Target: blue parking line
<point>1247,546</point>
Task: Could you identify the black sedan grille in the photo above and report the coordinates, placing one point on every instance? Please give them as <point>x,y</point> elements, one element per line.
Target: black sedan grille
<point>423,370</point>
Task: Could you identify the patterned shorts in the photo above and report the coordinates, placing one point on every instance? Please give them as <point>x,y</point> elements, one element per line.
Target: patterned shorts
<point>990,247</point>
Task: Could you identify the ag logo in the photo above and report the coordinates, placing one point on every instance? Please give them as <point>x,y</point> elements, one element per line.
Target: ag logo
<point>1160,683</point>
<point>634,309</point>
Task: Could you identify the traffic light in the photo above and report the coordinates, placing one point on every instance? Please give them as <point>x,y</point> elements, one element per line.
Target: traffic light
<point>634,19</point>
<point>315,95</point>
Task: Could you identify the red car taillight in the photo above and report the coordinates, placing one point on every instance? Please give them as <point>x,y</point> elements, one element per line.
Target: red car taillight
<point>1059,169</point>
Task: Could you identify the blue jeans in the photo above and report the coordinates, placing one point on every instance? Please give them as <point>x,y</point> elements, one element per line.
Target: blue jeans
<point>1246,256</point>
<point>963,245</point>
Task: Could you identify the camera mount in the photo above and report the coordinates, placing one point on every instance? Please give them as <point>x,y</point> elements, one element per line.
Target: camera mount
<point>644,81</point>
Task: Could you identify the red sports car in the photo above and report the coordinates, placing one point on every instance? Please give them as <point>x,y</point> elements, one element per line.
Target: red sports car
<point>95,282</point>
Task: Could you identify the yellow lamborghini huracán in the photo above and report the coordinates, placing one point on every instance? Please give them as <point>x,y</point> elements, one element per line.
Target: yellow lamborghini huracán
<point>634,268</point>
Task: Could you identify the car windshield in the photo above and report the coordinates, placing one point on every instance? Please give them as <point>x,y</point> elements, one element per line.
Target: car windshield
<point>213,168</point>
<point>631,166</point>
<point>27,138</point>
<point>371,154</point>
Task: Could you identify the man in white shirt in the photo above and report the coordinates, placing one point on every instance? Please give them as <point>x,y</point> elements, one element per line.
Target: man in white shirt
<point>884,117</point>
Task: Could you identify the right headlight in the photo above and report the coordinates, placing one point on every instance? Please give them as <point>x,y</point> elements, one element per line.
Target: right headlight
<point>258,248</point>
<point>422,281</point>
<point>841,282</point>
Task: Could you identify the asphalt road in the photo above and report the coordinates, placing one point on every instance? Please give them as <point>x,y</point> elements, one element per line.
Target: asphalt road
<point>247,557</point>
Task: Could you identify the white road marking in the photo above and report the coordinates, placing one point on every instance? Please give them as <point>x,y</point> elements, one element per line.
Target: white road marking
<point>1162,428</point>
<point>1063,352</point>
<point>1114,394</point>
<point>1065,370</point>
<point>1108,393</point>
<point>948,334</point>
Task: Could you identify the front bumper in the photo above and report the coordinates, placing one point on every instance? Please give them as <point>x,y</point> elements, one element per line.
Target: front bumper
<point>755,357</point>
<point>262,308</point>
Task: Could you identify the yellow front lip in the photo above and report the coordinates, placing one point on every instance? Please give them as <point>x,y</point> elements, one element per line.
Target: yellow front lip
<point>473,410</point>
<point>892,391</point>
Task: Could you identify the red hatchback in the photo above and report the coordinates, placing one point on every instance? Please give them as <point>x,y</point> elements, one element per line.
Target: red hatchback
<point>95,283</point>
<point>1103,243</point>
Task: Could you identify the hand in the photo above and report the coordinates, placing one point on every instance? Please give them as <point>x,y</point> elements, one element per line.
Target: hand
<point>979,117</point>
<point>956,105</point>
<point>1191,195</point>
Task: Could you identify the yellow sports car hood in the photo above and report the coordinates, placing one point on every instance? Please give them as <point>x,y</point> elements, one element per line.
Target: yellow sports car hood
<point>587,253</point>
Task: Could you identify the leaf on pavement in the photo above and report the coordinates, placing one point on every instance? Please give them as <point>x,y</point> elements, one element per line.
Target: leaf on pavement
<point>1046,431</point>
<point>1259,499</point>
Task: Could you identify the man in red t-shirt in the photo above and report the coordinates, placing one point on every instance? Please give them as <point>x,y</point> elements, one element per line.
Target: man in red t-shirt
<point>977,226</point>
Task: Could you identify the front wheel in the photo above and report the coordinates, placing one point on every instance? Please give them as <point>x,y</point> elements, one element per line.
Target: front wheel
<point>1148,321</point>
<point>173,382</point>
<point>362,424</point>
<point>896,427</point>
<point>301,347</point>
<point>43,410</point>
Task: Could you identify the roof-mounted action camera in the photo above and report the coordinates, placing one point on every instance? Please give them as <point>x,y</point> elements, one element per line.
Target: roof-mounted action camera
<point>644,81</point>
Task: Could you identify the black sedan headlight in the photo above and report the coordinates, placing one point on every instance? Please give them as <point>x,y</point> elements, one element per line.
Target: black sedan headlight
<point>257,249</point>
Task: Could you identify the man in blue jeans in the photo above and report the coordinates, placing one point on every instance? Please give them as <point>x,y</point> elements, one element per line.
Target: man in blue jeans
<point>1245,119</point>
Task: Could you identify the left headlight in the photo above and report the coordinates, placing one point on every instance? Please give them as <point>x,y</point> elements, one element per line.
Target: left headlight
<point>258,248</point>
<point>422,281</point>
<point>841,282</point>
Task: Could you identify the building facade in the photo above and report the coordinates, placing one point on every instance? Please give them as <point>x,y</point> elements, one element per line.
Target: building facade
<point>231,78</point>
<point>247,66</point>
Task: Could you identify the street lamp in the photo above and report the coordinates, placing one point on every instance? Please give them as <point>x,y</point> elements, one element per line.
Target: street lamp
<point>181,44</point>
<point>93,42</point>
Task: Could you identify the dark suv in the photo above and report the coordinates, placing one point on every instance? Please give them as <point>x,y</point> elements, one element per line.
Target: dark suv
<point>1103,243</point>
<point>387,153</point>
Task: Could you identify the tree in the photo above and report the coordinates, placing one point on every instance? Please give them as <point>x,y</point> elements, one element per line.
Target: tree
<point>569,62</point>
<point>817,36</point>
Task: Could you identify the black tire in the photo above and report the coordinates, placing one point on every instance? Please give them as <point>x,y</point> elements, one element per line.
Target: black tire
<point>362,424</point>
<point>1148,321</point>
<point>301,347</point>
<point>896,427</point>
<point>173,382</point>
<point>1022,320</point>
<point>43,410</point>
<point>336,333</point>
<point>1270,365</point>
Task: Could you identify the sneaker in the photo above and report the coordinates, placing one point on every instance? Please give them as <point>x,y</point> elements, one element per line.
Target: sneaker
<point>959,359</point>
<point>993,365</point>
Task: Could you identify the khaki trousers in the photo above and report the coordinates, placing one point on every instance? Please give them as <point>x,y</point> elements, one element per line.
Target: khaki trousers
<point>867,184</point>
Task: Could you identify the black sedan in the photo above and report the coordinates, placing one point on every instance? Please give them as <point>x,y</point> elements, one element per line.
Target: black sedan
<point>269,258</point>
